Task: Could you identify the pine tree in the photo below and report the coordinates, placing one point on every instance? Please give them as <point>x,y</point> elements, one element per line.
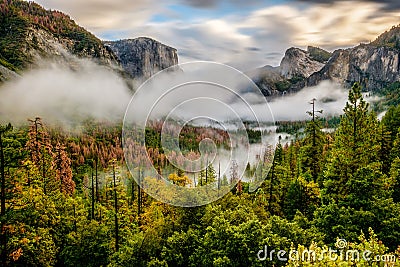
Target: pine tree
<point>273,175</point>
<point>313,145</point>
<point>356,145</point>
<point>385,144</point>
<point>207,176</point>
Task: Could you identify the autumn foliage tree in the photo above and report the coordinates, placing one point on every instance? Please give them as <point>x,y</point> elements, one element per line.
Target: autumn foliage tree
<point>41,150</point>
<point>62,164</point>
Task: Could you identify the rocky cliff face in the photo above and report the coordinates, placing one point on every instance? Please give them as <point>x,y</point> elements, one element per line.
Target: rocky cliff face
<point>40,44</point>
<point>298,63</point>
<point>6,74</point>
<point>296,66</point>
<point>143,57</point>
<point>30,34</point>
<point>373,67</point>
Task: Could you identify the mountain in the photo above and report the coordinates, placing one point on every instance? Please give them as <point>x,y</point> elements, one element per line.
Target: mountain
<point>30,34</point>
<point>292,73</point>
<point>143,57</point>
<point>375,66</point>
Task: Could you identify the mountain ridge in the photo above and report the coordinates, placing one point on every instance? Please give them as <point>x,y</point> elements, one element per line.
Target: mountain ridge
<point>29,33</point>
<point>374,65</point>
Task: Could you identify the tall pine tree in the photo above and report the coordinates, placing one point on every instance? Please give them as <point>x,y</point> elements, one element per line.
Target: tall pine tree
<point>356,145</point>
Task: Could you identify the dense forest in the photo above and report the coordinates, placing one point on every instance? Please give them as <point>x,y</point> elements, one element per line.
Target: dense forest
<point>68,200</point>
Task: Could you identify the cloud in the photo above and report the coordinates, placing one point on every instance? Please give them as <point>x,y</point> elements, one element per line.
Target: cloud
<point>330,97</point>
<point>201,4</point>
<point>208,4</point>
<point>272,30</point>
<point>60,95</point>
<point>386,4</point>
<point>100,15</point>
<point>340,24</point>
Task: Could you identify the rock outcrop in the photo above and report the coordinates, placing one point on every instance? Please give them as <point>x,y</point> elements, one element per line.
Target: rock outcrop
<point>41,44</point>
<point>7,74</point>
<point>143,57</point>
<point>298,63</point>
<point>30,35</point>
<point>296,66</point>
<point>374,65</point>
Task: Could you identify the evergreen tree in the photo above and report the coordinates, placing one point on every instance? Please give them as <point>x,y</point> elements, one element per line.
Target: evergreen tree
<point>356,145</point>
<point>313,145</point>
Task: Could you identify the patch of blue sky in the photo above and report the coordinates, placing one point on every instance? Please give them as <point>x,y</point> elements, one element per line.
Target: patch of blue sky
<point>221,9</point>
<point>112,35</point>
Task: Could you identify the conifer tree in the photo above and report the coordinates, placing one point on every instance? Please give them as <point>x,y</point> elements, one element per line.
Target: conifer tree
<point>356,145</point>
<point>313,145</point>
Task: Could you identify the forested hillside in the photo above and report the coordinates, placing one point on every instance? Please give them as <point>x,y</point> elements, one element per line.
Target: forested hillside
<point>29,32</point>
<point>67,200</point>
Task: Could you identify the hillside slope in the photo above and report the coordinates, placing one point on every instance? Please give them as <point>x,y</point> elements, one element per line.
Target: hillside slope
<point>28,32</point>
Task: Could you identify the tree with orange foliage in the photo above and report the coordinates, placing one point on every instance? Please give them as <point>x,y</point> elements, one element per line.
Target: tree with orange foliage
<point>40,149</point>
<point>62,164</point>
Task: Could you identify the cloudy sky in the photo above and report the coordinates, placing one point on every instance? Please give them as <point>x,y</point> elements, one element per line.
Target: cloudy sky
<point>244,34</point>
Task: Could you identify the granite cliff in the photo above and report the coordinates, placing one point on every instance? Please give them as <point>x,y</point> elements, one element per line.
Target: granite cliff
<point>374,65</point>
<point>143,57</point>
<point>292,73</point>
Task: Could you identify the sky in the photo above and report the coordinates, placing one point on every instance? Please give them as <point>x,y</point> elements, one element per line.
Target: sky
<point>243,34</point>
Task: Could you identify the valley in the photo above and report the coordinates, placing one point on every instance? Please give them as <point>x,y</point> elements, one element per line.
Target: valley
<point>114,154</point>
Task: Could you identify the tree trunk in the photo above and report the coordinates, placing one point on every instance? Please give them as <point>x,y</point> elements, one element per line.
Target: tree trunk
<point>116,212</point>
<point>92,195</point>
<point>3,204</point>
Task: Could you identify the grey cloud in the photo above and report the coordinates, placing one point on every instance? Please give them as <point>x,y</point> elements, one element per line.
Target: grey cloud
<point>213,3</point>
<point>201,3</point>
<point>387,4</point>
<point>253,49</point>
